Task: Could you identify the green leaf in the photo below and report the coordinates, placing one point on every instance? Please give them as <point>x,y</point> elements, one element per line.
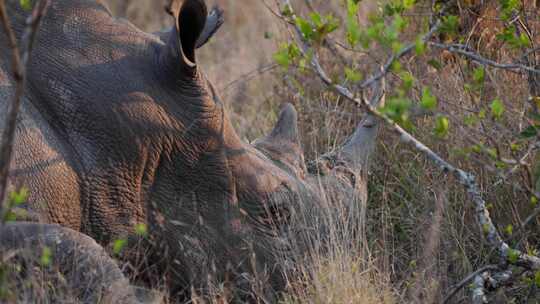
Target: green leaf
<point>408,80</point>
<point>353,28</point>
<point>141,230</point>
<point>408,4</point>
<point>305,27</point>
<point>529,132</point>
<point>46,256</point>
<point>537,278</point>
<point>479,74</point>
<point>399,23</point>
<point>485,228</point>
<point>429,102</point>
<point>352,75</point>
<point>470,120</point>
<point>482,114</point>
<point>420,47</point>
<point>449,24</point>
<point>18,198</point>
<point>513,256</point>
<point>492,152</point>
<point>476,148</point>
<point>436,64</point>
<point>119,245</point>
<point>397,109</point>
<point>497,108</point>
<point>286,55</point>
<point>287,11</point>
<point>282,58</point>
<point>509,230</point>
<point>316,19</point>
<point>9,216</point>
<point>442,125</point>
<point>534,201</point>
<point>26,4</point>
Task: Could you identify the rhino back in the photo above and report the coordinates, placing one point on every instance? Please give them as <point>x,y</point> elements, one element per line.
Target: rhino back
<point>83,135</point>
<point>40,162</point>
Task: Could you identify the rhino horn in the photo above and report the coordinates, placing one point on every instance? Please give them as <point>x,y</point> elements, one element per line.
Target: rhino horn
<point>352,160</point>
<point>283,142</point>
<point>190,21</point>
<point>357,151</point>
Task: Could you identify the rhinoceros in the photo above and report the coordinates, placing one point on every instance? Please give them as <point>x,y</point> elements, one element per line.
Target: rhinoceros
<point>119,127</point>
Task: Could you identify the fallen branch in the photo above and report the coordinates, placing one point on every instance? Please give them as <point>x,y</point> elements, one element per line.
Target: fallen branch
<point>19,63</point>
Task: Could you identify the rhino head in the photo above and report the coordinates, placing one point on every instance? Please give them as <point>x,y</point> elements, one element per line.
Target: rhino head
<point>139,135</point>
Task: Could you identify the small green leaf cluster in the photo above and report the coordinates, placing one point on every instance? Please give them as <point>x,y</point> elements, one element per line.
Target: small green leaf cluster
<point>449,25</point>
<point>26,4</point>
<point>317,27</point>
<point>46,257</point>
<point>398,109</point>
<point>508,7</point>
<point>141,230</point>
<point>287,54</point>
<point>397,7</point>
<point>119,245</point>
<point>384,28</point>
<point>15,199</point>
<point>510,36</point>
<point>534,122</point>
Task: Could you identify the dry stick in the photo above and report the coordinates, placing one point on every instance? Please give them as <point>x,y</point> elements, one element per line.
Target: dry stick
<point>462,50</point>
<point>19,64</point>
<point>490,280</point>
<point>466,179</point>
<point>466,280</point>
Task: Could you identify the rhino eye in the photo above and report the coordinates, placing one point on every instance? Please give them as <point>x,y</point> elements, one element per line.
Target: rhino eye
<point>272,214</point>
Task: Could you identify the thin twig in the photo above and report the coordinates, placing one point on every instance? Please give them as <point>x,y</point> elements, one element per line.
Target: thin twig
<point>250,75</point>
<point>462,50</point>
<point>19,63</point>
<point>466,280</point>
<point>488,280</point>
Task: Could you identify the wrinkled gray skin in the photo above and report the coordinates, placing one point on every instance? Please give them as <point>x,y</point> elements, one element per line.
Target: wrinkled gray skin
<point>120,127</point>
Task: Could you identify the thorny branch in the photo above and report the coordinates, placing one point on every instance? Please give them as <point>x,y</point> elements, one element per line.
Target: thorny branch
<point>20,57</point>
<point>467,179</point>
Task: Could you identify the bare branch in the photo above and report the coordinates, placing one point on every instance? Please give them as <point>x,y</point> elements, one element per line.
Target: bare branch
<point>488,280</point>
<point>19,63</point>
<point>463,50</point>
<point>466,280</point>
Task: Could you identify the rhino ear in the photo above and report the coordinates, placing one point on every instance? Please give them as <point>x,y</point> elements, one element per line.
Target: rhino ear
<point>190,19</point>
<point>283,143</point>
